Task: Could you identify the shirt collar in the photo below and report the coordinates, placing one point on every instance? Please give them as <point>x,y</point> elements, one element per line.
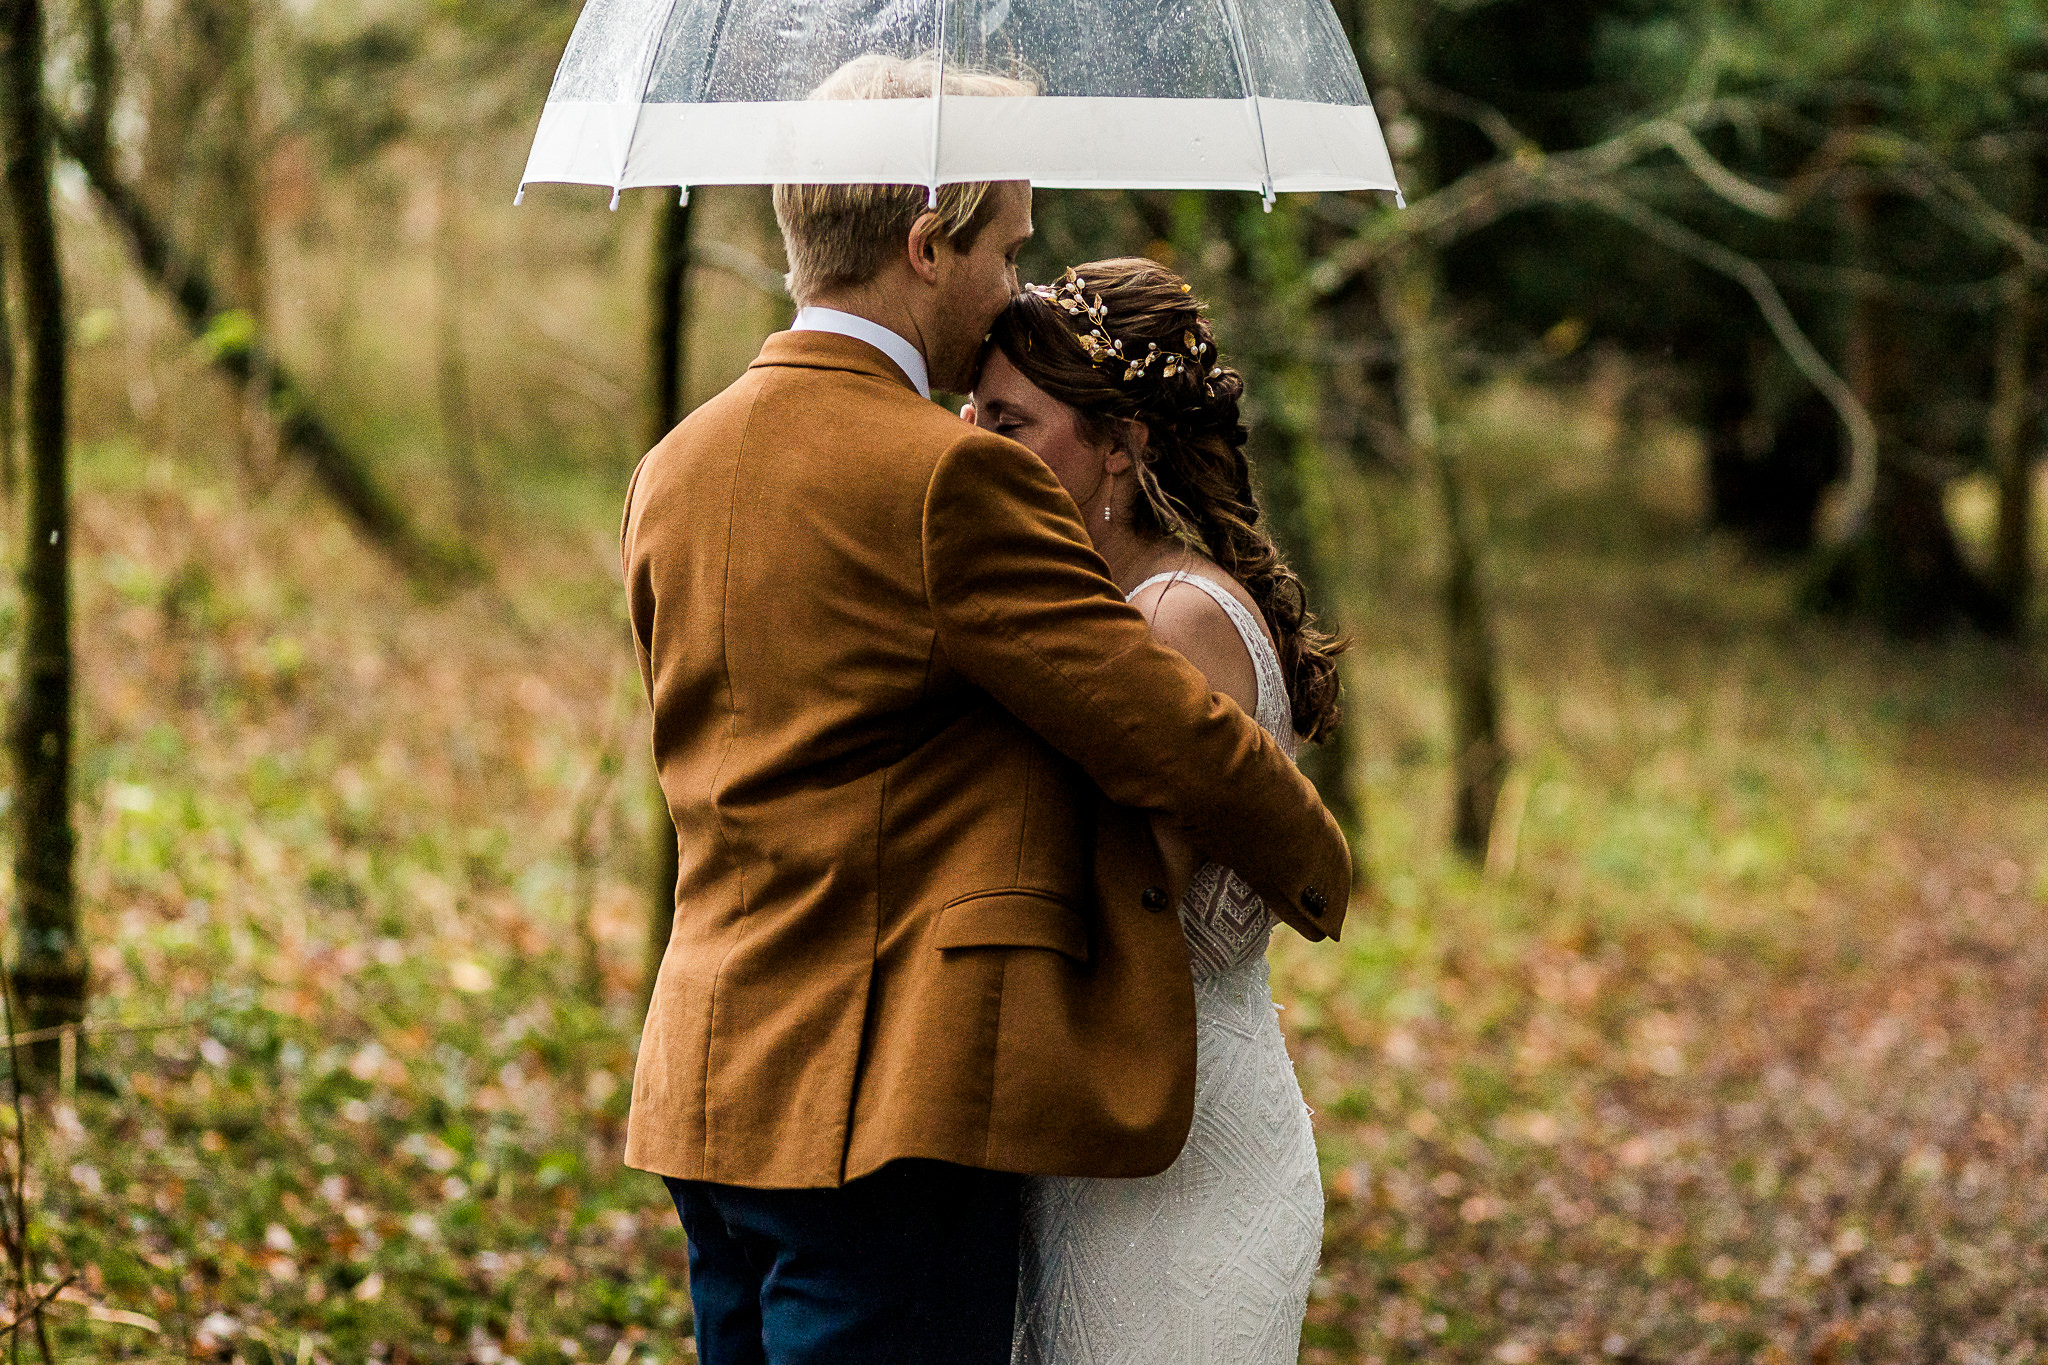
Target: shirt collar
<point>874,334</point>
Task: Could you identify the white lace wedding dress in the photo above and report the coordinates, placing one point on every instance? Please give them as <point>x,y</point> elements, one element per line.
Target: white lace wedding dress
<point>1209,1262</point>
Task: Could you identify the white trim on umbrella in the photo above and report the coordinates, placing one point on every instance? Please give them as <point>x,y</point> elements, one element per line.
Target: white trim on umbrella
<point>1054,141</point>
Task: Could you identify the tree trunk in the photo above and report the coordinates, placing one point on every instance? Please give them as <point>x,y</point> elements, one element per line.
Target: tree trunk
<point>49,972</point>
<point>1904,570</point>
<point>1479,757</point>
<point>668,319</point>
<point>335,468</point>
<point>10,396</point>
<point>1393,36</point>
<point>1270,310</point>
<point>667,349</point>
<point>458,415</point>
<point>240,148</point>
<point>1299,495</point>
<point>2015,418</point>
<point>100,70</point>
<point>664,868</point>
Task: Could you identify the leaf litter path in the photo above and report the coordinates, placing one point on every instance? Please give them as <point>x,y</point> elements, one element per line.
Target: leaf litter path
<point>1777,1105</point>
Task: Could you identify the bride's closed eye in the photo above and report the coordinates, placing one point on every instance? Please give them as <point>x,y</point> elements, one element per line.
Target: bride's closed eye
<point>992,418</point>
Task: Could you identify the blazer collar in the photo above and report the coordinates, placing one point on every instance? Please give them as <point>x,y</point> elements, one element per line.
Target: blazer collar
<point>830,351</point>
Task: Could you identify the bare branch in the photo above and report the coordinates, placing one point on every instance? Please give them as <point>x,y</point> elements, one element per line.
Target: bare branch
<point>1958,203</point>
<point>1885,149</point>
<point>1507,139</point>
<point>1529,177</point>
<point>1749,197</point>
<point>37,1306</point>
<point>1975,297</point>
<point>1861,487</point>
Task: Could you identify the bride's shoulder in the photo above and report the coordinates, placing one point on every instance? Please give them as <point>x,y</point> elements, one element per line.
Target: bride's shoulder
<point>1174,593</point>
<point>1192,622</point>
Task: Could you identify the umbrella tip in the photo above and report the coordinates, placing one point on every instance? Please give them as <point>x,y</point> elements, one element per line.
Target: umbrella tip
<point>686,196</point>
<point>1400,200</point>
<point>1267,197</point>
<point>520,197</point>
<point>615,199</point>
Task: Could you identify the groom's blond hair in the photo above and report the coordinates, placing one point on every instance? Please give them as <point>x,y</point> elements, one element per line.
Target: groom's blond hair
<point>839,236</point>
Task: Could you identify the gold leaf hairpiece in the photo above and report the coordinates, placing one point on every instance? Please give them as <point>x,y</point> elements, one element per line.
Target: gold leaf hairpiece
<point>1089,318</point>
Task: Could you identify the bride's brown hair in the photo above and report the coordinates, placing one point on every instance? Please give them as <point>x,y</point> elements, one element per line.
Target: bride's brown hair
<point>1125,339</point>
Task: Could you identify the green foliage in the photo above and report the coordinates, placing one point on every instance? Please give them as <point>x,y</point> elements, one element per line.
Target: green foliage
<point>231,333</point>
<point>1937,65</point>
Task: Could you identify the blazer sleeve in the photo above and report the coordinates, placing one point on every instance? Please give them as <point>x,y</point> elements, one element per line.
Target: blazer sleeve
<point>1025,609</point>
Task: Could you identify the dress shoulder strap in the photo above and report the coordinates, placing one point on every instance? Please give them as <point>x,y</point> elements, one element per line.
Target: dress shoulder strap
<point>1273,709</point>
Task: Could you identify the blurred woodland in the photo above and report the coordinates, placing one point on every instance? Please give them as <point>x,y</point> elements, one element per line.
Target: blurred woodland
<point>1674,460</point>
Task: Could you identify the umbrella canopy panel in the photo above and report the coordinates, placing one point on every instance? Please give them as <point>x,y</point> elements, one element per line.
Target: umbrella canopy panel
<point>1216,94</point>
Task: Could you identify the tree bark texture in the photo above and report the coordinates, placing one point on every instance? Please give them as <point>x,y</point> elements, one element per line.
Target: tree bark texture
<point>667,350</point>
<point>241,147</point>
<point>1392,32</point>
<point>458,413</point>
<point>100,70</point>
<point>339,472</point>
<point>2015,446</point>
<point>1296,483</point>
<point>1270,309</point>
<point>1479,756</point>
<point>10,396</point>
<point>49,972</point>
<point>1904,571</point>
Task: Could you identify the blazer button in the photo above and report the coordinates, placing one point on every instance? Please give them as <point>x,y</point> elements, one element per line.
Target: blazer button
<point>1154,898</point>
<point>1313,899</point>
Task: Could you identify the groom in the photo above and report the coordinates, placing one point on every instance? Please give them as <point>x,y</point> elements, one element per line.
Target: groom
<point>910,735</point>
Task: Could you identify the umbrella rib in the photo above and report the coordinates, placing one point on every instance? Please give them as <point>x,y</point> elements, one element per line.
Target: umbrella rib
<point>938,97</point>
<point>1240,51</point>
<point>647,60</point>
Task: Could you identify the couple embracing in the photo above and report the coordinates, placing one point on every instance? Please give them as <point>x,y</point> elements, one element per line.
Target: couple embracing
<point>978,739</point>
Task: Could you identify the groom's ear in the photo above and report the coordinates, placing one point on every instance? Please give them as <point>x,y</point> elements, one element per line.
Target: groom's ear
<point>922,246</point>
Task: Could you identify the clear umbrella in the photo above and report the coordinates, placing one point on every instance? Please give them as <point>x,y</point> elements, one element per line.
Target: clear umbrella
<point>1134,94</point>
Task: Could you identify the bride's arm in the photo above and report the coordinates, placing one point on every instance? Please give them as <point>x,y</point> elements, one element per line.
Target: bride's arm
<point>1187,620</point>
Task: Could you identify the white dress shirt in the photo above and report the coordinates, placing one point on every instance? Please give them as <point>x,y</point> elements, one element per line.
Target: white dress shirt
<point>874,334</point>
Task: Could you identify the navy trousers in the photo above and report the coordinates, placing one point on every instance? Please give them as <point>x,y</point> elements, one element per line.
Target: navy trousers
<point>913,1265</point>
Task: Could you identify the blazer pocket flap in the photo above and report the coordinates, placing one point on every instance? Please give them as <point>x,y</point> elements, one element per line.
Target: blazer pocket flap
<point>1013,919</point>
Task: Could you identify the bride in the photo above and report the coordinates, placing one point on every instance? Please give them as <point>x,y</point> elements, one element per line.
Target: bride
<point>1111,377</point>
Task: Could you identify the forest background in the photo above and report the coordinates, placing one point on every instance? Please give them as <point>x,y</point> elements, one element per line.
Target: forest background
<point>1674,462</point>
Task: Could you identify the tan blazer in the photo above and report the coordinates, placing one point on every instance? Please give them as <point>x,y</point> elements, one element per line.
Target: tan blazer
<point>891,682</point>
